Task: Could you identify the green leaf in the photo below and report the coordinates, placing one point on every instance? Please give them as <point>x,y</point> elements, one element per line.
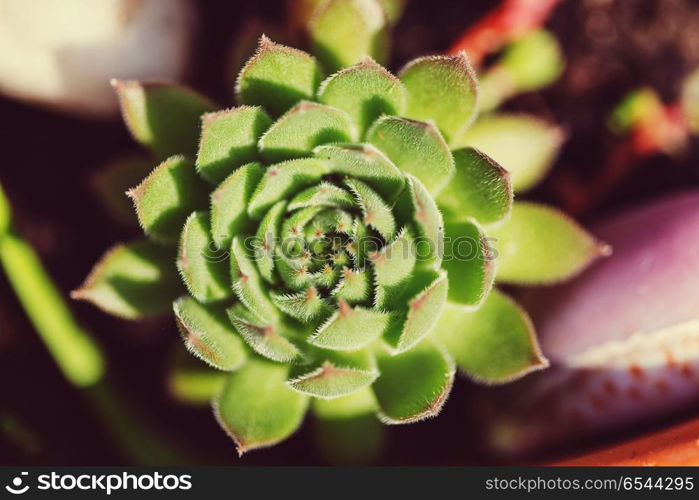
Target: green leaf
<point>350,328</point>
<point>165,198</point>
<point>418,206</point>
<point>393,267</point>
<point>532,62</point>
<point>266,240</point>
<point>341,259</point>
<point>208,334</point>
<point>282,180</point>
<point>361,245</point>
<point>304,306</point>
<point>337,375</point>
<point>294,227</point>
<point>442,89</point>
<point>524,145</point>
<point>256,407</point>
<point>294,272</point>
<point>480,189</point>
<point>354,287</point>
<point>423,312</point>
<point>277,77</point>
<point>344,31</point>
<point>540,244</point>
<point>326,277</point>
<point>266,338</point>
<point>414,147</point>
<point>495,343</point>
<point>229,204</point>
<point>229,140</point>
<point>469,261</point>
<point>202,265</point>
<point>636,107</point>
<point>413,385</point>
<point>376,212</point>
<point>302,128</point>
<point>324,194</point>
<point>366,163</point>
<point>162,117</point>
<point>365,91</point>
<point>330,381</point>
<point>247,284</point>
<point>133,280</point>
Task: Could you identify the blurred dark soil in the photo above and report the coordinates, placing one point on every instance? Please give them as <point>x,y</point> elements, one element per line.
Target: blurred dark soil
<point>49,159</point>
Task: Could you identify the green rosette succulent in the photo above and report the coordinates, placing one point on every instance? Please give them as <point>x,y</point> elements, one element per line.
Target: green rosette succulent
<point>324,243</point>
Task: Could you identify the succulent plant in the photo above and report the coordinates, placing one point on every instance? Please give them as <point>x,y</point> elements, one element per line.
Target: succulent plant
<point>324,242</point>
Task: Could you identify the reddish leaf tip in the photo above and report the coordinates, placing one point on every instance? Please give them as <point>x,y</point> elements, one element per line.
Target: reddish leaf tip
<point>604,249</point>
<point>78,294</point>
<point>344,308</point>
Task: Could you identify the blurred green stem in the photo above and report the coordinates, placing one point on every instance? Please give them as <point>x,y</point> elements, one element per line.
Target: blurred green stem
<point>77,355</point>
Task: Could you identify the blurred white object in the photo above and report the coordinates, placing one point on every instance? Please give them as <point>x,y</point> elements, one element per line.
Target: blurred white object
<point>62,53</point>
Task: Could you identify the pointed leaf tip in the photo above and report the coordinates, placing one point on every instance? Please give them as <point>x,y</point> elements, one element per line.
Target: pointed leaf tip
<point>256,407</point>
<point>304,306</point>
<point>267,338</point>
<point>339,374</point>
<point>133,280</point>
<point>351,328</point>
<point>277,77</point>
<point>493,344</point>
<point>540,244</point>
<point>166,197</point>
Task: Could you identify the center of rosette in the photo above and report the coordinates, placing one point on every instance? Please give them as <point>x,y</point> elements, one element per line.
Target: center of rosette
<point>327,234</point>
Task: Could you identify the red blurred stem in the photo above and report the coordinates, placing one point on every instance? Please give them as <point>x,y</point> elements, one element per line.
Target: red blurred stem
<point>664,131</point>
<point>675,446</point>
<point>510,20</point>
